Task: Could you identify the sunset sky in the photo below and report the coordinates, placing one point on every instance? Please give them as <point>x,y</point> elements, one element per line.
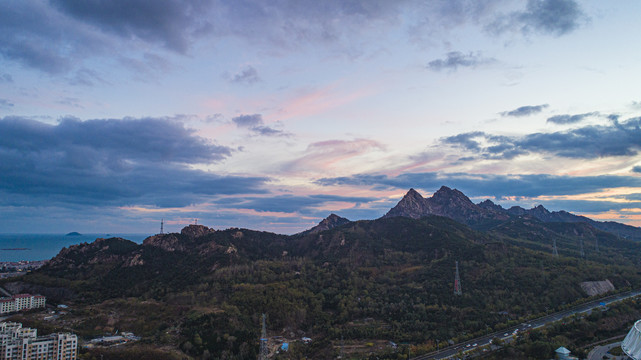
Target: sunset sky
<point>271,115</point>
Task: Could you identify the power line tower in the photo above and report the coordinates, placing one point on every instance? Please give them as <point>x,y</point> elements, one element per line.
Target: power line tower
<point>264,351</point>
<point>555,252</point>
<point>162,222</point>
<point>581,246</point>
<point>457,282</point>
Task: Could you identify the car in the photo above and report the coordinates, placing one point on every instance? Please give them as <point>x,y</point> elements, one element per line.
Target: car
<point>468,345</point>
<point>473,345</point>
<point>506,334</point>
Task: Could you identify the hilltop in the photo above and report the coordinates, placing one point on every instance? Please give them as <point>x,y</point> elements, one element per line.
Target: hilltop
<point>389,279</point>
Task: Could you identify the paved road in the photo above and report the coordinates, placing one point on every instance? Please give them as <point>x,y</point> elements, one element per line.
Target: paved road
<point>508,334</point>
<point>599,351</point>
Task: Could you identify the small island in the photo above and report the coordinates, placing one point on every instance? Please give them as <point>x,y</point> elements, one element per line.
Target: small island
<point>74,233</point>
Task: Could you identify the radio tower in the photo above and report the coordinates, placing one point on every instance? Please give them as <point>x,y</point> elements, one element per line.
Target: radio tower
<point>264,351</point>
<point>555,252</point>
<point>457,282</point>
<point>162,222</point>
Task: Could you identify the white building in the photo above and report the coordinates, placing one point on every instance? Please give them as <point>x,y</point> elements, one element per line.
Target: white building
<point>631,345</point>
<point>18,343</point>
<point>21,302</point>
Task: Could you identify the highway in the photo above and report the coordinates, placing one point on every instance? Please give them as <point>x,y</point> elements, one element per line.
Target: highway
<point>508,333</point>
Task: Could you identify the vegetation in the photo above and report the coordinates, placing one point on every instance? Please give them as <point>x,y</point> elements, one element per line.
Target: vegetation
<point>364,282</point>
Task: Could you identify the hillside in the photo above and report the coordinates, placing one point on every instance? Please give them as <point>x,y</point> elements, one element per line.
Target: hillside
<point>202,290</point>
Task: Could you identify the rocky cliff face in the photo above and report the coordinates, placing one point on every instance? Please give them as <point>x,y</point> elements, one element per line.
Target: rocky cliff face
<point>328,223</point>
<point>446,202</point>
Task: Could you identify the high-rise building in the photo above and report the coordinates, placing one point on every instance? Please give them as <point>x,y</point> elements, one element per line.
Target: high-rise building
<point>18,343</point>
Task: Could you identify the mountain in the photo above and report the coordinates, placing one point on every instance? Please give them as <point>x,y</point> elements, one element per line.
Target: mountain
<point>202,291</point>
<point>446,202</point>
<point>328,223</point>
<point>541,213</point>
<point>455,205</point>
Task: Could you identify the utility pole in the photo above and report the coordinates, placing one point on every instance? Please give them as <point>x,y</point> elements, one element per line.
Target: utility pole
<point>264,351</point>
<point>555,252</point>
<point>457,282</point>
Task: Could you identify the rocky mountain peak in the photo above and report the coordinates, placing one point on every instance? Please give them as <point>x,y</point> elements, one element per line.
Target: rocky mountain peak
<point>328,223</point>
<point>489,205</point>
<point>194,231</point>
<point>445,194</point>
<point>412,205</point>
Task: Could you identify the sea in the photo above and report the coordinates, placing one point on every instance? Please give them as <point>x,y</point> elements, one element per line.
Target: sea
<point>33,247</point>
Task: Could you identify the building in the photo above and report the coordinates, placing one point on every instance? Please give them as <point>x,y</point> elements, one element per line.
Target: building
<point>21,302</point>
<point>631,345</point>
<point>18,343</point>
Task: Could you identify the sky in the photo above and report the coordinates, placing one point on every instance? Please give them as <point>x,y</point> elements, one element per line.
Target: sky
<point>271,115</point>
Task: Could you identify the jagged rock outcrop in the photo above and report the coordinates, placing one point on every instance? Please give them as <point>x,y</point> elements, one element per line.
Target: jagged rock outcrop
<point>446,202</point>
<point>328,223</point>
<point>597,287</point>
<point>167,242</point>
<point>196,231</point>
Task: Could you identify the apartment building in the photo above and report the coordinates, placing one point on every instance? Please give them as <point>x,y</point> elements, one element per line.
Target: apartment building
<point>21,302</point>
<point>18,343</point>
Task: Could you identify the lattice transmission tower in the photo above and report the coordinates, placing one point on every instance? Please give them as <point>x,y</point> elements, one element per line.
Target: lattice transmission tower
<point>264,350</point>
<point>162,223</point>
<point>457,282</point>
<point>581,247</point>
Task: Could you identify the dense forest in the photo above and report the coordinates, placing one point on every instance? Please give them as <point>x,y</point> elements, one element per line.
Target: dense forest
<point>202,292</point>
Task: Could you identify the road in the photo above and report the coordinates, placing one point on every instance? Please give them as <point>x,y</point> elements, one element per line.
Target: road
<point>599,351</point>
<point>508,333</point>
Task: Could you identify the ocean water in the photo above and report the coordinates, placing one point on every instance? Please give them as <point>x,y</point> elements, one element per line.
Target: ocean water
<point>17,247</point>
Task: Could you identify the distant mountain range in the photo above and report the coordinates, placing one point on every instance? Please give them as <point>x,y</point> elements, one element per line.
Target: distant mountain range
<point>389,279</point>
<point>453,204</point>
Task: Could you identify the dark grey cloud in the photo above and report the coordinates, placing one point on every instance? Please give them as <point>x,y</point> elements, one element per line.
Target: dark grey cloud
<point>499,186</point>
<point>256,125</point>
<point>455,59</point>
<point>6,78</point>
<point>636,169</point>
<point>588,142</point>
<point>248,75</point>
<point>4,103</point>
<point>570,119</point>
<point>115,162</point>
<point>525,110</point>
<point>554,17</point>
<point>168,22</point>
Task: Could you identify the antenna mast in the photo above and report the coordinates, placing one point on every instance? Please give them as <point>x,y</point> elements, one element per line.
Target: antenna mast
<point>457,282</point>
<point>162,222</point>
<point>264,351</point>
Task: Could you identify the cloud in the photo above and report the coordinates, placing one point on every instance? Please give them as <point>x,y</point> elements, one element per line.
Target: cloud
<point>255,124</point>
<point>114,162</point>
<point>290,203</point>
<point>168,22</point>
<point>4,103</point>
<point>248,75</point>
<point>637,169</point>
<point>570,119</point>
<point>326,154</point>
<point>555,17</point>
<point>525,110</point>
<point>588,142</point>
<point>499,186</point>
<point>6,78</point>
<point>455,59</point>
